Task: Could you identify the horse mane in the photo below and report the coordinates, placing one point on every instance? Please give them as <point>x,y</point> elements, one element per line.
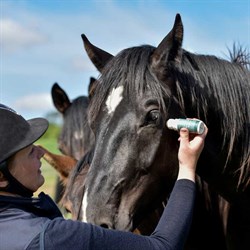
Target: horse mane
<point>240,55</point>
<point>198,77</point>
<point>227,83</point>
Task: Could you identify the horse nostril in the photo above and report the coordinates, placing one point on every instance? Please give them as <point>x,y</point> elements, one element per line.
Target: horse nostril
<point>104,226</point>
<point>105,223</point>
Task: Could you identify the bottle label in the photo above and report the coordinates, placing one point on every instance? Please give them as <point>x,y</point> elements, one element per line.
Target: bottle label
<point>193,126</point>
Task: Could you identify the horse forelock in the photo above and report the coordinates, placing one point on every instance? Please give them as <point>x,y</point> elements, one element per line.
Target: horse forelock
<point>228,84</point>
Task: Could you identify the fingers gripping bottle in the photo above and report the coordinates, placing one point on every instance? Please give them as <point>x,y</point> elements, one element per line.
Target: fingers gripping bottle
<point>193,126</point>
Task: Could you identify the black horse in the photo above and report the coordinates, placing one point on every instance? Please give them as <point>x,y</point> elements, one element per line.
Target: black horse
<point>135,162</point>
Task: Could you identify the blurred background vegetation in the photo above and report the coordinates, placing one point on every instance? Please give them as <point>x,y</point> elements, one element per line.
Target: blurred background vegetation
<point>49,141</point>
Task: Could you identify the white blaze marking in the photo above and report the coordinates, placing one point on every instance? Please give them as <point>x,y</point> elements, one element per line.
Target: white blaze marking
<point>114,99</point>
<point>84,206</point>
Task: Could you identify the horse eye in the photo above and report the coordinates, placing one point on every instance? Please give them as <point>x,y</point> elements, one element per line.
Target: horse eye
<point>152,117</point>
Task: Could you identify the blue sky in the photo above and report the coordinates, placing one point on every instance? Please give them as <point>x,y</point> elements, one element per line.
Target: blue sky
<point>41,40</point>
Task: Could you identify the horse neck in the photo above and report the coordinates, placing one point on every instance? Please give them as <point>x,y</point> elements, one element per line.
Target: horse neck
<point>213,91</point>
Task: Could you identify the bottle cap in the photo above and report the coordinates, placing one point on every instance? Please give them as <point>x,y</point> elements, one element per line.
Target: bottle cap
<point>171,124</point>
<point>201,128</point>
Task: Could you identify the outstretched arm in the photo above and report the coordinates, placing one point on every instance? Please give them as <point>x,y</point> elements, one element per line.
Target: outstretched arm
<point>175,222</point>
<point>172,229</point>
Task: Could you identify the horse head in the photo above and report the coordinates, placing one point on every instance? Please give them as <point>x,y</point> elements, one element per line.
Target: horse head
<point>135,156</point>
<point>134,161</point>
<point>75,138</point>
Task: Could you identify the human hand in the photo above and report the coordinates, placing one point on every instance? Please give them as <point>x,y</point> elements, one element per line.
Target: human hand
<point>191,146</point>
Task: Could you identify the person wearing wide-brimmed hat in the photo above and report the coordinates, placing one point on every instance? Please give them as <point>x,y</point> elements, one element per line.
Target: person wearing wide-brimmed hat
<point>36,223</point>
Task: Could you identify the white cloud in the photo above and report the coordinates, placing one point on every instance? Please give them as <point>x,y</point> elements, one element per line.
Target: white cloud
<point>37,102</point>
<point>15,36</point>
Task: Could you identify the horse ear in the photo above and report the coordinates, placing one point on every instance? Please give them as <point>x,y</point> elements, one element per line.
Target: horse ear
<point>169,50</point>
<point>92,85</point>
<point>98,56</point>
<point>60,98</point>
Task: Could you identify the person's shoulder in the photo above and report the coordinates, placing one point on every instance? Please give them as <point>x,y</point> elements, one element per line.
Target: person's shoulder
<point>22,224</point>
<point>17,215</point>
<point>13,213</point>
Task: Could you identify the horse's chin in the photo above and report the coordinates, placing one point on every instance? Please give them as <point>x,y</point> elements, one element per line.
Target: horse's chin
<point>133,224</point>
<point>141,228</point>
<point>124,223</point>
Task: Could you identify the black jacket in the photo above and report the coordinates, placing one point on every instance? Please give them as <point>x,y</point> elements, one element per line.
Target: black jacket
<point>39,226</point>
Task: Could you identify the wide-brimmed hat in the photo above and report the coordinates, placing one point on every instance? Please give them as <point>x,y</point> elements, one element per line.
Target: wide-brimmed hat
<point>17,133</point>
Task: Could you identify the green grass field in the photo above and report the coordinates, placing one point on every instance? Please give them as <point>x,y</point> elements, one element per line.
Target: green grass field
<point>49,141</point>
